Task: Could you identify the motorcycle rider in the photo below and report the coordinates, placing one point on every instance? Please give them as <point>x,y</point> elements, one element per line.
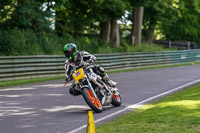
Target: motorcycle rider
<point>77,59</point>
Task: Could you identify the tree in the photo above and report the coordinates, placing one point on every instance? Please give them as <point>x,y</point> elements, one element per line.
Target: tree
<point>137,25</point>
<point>111,11</point>
<point>157,11</point>
<point>76,16</point>
<point>137,20</point>
<point>26,15</point>
<point>105,30</point>
<point>6,10</point>
<point>184,26</point>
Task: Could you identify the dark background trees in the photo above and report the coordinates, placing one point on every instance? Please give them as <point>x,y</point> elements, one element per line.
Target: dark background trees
<point>44,26</point>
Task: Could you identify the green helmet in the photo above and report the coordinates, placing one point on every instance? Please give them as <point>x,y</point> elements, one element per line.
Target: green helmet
<point>70,50</point>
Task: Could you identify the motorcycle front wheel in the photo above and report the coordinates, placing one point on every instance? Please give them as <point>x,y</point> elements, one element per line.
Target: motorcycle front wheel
<point>93,102</point>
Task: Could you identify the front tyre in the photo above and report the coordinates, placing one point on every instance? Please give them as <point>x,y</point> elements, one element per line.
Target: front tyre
<point>116,100</point>
<point>93,102</point>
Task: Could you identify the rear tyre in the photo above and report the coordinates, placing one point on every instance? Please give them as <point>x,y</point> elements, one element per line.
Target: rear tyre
<point>93,102</point>
<point>116,100</point>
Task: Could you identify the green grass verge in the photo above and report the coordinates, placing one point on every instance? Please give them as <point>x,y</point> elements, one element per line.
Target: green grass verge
<point>28,81</point>
<point>176,113</point>
<point>152,67</point>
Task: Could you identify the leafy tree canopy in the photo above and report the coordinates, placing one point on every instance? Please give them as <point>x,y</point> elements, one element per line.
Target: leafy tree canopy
<point>25,15</point>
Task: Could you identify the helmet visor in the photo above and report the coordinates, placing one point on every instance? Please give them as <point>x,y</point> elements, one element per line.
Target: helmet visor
<point>67,53</point>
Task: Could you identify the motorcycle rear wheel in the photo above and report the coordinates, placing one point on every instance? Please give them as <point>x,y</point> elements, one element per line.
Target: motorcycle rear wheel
<point>93,102</point>
<point>116,100</point>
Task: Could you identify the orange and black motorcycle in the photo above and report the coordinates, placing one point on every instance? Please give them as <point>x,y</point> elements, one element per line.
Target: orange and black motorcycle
<point>95,91</point>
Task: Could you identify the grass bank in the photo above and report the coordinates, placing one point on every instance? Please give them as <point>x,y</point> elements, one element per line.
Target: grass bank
<point>177,113</point>
<point>28,81</point>
<point>152,67</point>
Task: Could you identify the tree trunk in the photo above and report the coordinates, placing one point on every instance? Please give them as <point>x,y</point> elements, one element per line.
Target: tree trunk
<point>105,31</point>
<point>137,28</point>
<point>114,33</point>
<point>150,35</point>
<point>118,36</point>
<point>133,28</point>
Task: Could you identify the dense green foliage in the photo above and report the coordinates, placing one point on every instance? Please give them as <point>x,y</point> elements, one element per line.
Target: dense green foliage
<point>33,27</point>
<point>184,25</point>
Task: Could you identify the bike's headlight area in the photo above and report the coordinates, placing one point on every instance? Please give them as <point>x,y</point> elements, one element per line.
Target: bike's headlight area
<point>83,81</point>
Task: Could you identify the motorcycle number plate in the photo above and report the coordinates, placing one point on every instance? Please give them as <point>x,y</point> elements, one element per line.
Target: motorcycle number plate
<point>79,74</point>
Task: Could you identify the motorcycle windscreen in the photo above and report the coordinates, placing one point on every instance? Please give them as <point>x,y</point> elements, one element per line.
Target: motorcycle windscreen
<point>79,74</point>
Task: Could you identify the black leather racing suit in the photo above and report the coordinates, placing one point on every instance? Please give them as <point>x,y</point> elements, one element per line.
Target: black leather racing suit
<point>81,58</point>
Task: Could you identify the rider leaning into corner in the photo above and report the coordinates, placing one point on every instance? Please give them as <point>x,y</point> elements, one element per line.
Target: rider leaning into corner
<point>77,59</point>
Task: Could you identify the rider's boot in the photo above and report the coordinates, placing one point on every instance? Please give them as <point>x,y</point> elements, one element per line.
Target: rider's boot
<point>109,81</point>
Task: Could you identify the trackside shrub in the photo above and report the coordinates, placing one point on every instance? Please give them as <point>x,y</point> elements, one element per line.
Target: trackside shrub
<point>19,42</point>
<point>28,42</point>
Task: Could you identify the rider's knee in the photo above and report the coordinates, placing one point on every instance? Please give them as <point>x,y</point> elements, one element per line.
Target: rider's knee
<point>100,69</point>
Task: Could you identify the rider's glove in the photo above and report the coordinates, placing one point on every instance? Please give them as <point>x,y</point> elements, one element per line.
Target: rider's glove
<point>65,83</point>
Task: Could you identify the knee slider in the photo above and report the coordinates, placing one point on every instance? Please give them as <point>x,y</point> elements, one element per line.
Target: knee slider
<point>100,69</point>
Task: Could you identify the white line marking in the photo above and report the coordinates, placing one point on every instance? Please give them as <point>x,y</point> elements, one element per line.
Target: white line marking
<point>139,104</point>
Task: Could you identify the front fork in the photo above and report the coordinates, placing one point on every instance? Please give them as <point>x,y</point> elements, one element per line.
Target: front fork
<point>91,88</point>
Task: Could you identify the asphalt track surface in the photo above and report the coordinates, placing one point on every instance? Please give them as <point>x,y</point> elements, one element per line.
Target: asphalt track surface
<point>47,107</point>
